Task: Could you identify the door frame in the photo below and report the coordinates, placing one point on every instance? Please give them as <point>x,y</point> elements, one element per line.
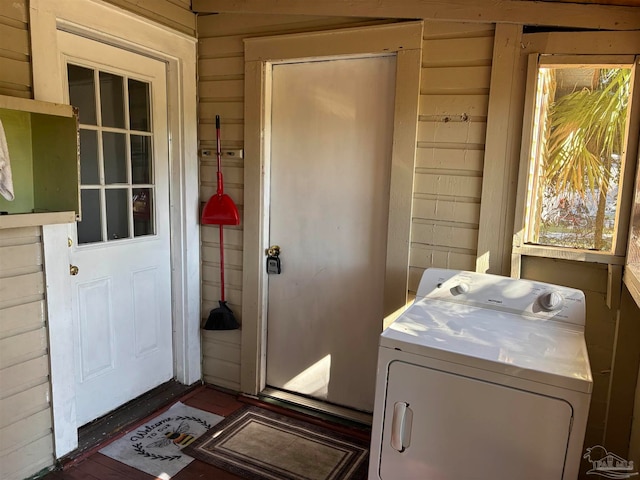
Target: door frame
<point>109,24</point>
<point>403,39</point>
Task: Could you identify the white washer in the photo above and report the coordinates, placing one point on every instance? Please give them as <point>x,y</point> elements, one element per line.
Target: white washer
<point>483,377</point>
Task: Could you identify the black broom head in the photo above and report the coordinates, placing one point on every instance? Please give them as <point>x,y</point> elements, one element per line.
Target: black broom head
<point>221,318</point>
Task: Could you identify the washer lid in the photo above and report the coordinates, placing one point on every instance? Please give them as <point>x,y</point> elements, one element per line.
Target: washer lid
<point>544,351</point>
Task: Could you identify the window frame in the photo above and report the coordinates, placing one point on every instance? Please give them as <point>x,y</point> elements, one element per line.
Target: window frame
<point>631,276</point>
<point>520,246</point>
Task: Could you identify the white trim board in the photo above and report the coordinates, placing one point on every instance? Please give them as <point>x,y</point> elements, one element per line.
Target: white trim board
<point>103,22</point>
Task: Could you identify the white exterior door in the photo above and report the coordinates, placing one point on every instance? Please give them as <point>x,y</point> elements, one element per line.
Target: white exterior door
<point>331,143</point>
<point>121,295</point>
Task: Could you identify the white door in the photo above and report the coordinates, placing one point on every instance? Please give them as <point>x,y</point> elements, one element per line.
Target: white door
<point>331,140</point>
<point>122,291</point>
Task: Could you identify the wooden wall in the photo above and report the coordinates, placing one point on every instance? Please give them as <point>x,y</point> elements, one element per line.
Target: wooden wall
<point>15,63</point>
<point>172,13</point>
<point>454,95</point>
<point>15,50</point>
<point>26,441</point>
<point>221,92</point>
<point>449,164</point>
<point>452,123</point>
<point>600,329</point>
<point>634,445</point>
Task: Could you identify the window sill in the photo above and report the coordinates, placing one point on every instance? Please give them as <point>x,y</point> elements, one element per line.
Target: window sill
<point>568,254</point>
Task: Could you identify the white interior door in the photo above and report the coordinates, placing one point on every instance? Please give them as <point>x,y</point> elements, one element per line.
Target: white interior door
<point>331,142</point>
<point>122,291</point>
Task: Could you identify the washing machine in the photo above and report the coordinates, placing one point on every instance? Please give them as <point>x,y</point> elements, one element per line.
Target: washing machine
<point>483,377</point>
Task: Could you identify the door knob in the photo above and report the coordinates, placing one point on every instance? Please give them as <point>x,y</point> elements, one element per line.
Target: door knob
<point>73,270</point>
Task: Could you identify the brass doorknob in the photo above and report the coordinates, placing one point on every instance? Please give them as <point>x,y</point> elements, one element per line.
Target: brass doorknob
<point>73,270</point>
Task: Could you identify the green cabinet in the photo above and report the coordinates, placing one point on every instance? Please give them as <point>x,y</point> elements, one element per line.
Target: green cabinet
<point>42,140</point>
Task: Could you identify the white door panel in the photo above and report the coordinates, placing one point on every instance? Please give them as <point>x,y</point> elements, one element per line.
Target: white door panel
<point>122,293</point>
<point>451,427</point>
<point>331,139</point>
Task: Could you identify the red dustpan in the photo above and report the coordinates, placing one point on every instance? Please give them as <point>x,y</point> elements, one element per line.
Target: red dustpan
<point>220,210</point>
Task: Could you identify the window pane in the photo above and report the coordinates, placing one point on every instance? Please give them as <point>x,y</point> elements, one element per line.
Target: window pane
<point>141,171</point>
<point>90,228</point>
<point>143,212</point>
<point>580,124</point>
<point>112,100</point>
<point>139,106</point>
<point>117,213</point>
<point>89,171</point>
<point>114,149</point>
<point>82,93</point>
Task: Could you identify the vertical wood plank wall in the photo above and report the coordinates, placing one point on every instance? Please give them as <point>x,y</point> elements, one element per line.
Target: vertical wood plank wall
<point>454,94</point>
<point>221,92</point>
<point>26,441</point>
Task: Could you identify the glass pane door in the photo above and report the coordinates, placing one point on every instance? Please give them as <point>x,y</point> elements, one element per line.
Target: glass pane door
<point>116,156</point>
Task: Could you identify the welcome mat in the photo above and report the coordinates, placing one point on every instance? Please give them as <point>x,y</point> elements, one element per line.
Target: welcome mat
<point>262,445</point>
<point>156,447</point>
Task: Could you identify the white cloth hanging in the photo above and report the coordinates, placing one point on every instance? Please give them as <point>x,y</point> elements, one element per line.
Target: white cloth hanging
<point>6,181</point>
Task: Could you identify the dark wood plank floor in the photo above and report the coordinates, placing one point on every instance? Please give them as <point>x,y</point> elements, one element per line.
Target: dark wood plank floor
<point>99,467</point>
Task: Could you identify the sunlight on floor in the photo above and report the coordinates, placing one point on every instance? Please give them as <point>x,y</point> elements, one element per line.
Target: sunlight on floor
<point>314,380</point>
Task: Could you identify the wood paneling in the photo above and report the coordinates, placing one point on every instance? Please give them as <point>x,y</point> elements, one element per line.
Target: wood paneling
<point>450,150</point>
<point>176,14</point>
<point>600,331</point>
<point>26,440</point>
<point>15,55</point>
<point>221,89</point>
<point>487,11</point>
<point>221,358</point>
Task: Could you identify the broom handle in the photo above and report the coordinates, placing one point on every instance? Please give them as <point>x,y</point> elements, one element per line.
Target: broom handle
<point>221,264</point>
<point>218,155</point>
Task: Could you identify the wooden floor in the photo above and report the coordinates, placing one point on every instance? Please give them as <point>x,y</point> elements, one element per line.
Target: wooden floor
<point>99,467</point>
<point>95,466</point>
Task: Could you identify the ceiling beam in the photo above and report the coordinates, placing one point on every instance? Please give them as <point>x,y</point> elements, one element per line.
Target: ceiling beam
<point>525,12</point>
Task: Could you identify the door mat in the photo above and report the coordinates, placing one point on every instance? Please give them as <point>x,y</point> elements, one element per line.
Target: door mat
<point>259,444</point>
<point>156,447</point>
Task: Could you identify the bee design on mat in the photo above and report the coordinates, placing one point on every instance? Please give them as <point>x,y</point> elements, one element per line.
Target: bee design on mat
<point>181,437</point>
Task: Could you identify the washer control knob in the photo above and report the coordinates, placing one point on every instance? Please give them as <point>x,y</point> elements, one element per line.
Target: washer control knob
<point>460,288</point>
<point>551,301</point>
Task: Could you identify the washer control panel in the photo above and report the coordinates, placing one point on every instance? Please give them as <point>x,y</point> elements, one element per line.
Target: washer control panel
<point>525,297</point>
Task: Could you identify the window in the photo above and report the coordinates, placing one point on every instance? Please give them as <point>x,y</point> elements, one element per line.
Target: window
<point>116,160</point>
<point>575,142</point>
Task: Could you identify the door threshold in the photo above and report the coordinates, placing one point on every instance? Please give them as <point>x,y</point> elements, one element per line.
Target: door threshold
<point>318,406</point>
<point>96,434</point>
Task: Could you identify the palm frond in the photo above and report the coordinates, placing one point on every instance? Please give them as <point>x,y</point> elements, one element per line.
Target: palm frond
<point>587,127</point>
